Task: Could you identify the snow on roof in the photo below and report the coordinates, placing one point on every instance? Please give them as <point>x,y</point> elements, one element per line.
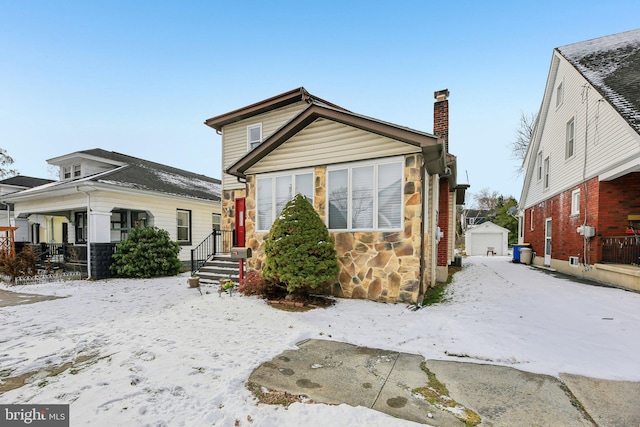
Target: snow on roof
<point>612,65</point>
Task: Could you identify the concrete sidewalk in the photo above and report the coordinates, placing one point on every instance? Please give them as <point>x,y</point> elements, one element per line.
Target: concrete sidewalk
<point>333,372</point>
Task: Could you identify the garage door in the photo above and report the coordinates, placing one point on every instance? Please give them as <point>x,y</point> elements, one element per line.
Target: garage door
<point>480,243</point>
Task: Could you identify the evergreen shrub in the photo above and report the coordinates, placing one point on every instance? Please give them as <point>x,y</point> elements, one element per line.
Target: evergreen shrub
<point>299,252</point>
<point>147,252</point>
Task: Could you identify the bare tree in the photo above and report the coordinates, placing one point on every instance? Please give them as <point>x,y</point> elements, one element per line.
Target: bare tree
<point>5,161</point>
<point>523,136</point>
<point>486,199</point>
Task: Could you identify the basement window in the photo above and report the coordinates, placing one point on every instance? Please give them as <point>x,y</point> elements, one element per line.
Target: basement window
<point>574,261</point>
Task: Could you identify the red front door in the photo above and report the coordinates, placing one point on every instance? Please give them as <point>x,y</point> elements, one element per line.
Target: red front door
<point>240,216</point>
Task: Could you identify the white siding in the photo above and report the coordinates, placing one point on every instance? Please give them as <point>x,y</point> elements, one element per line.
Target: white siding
<point>325,142</point>
<point>609,139</point>
<point>162,210</point>
<point>91,167</point>
<point>234,137</point>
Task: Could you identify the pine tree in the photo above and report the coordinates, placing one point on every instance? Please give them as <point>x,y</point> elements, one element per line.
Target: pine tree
<point>299,252</point>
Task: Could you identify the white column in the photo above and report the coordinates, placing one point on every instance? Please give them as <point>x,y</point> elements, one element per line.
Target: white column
<point>99,227</point>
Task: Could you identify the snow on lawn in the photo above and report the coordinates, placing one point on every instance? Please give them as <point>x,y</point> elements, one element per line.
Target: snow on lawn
<point>168,356</point>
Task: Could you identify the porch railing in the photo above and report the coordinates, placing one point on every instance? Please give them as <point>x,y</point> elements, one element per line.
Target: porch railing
<point>621,249</point>
<point>218,242</point>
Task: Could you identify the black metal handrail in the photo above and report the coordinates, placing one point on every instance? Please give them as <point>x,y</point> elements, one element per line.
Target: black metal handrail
<point>621,249</point>
<point>218,242</point>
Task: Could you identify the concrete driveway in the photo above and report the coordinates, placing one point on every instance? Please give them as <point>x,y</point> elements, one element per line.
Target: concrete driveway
<point>10,298</point>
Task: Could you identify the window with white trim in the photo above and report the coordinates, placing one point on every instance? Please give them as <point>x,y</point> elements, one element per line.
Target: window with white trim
<point>66,172</point>
<point>571,131</point>
<point>559,94</point>
<point>81,223</point>
<point>183,221</point>
<point>575,202</point>
<point>539,165</point>
<point>254,136</point>
<point>546,173</point>
<point>274,190</point>
<point>365,195</point>
<point>77,171</point>
<point>531,219</point>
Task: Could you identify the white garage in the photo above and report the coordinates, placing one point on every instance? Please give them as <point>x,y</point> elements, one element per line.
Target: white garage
<point>486,237</point>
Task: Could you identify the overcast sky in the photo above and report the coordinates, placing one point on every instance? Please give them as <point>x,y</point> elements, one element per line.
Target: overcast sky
<point>140,78</point>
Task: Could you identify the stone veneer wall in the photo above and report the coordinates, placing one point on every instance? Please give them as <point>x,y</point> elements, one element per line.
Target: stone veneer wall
<point>375,265</point>
<point>228,222</point>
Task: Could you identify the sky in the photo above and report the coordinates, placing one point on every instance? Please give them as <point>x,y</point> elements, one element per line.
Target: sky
<point>140,78</point>
<point>161,354</point>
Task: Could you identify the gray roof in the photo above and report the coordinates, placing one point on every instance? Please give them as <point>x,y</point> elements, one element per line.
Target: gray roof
<point>146,175</point>
<point>25,181</point>
<point>140,174</point>
<point>612,65</point>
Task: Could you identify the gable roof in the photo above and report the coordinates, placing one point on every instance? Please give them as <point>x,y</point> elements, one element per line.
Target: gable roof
<point>275,102</point>
<point>487,227</point>
<point>611,64</point>
<point>432,147</point>
<point>137,174</point>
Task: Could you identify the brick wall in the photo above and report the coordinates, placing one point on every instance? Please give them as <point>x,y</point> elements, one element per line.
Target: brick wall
<point>441,116</point>
<point>618,199</point>
<point>607,205</point>
<point>443,223</point>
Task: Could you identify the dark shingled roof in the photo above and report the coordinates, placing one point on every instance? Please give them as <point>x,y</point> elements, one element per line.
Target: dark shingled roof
<point>25,181</point>
<point>150,176</point>
<point>612,65</point>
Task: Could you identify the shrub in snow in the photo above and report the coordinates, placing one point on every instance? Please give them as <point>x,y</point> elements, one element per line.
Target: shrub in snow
<point>253,284</point>
<point>299,252</point>
<point>15,265</point>
<point>147,252</point>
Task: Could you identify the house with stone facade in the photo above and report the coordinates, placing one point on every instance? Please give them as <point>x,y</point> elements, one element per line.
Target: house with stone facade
<point>387,193</point>
<point>580,202</point>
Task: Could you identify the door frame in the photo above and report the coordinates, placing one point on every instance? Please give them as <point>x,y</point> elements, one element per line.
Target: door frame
<point>548,231</point>
<point>240,217</point>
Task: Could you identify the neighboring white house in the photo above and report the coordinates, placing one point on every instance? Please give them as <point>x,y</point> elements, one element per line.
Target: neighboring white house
<point>12,185</point>
<point>580,201</point>
<point>487,237</point>
<point>102,195</point>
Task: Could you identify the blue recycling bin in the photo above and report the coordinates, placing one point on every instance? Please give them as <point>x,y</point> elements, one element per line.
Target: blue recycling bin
<point>516,251</point>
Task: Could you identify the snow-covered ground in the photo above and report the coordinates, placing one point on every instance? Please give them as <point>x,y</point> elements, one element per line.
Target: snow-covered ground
<point>168,356</point>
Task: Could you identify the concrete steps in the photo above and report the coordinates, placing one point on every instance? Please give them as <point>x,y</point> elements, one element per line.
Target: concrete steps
<point>217,268</point>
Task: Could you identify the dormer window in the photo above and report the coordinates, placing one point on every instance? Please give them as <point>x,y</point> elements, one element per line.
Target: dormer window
<point>69,172</point>
<point>254,136</point>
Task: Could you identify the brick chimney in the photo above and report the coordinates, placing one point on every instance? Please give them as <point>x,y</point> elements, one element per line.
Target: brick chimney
<point>441,116</point>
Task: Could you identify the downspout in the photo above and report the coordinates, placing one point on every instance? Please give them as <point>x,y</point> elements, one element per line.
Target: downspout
<point>425,188</point>
<point>88,233</point>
